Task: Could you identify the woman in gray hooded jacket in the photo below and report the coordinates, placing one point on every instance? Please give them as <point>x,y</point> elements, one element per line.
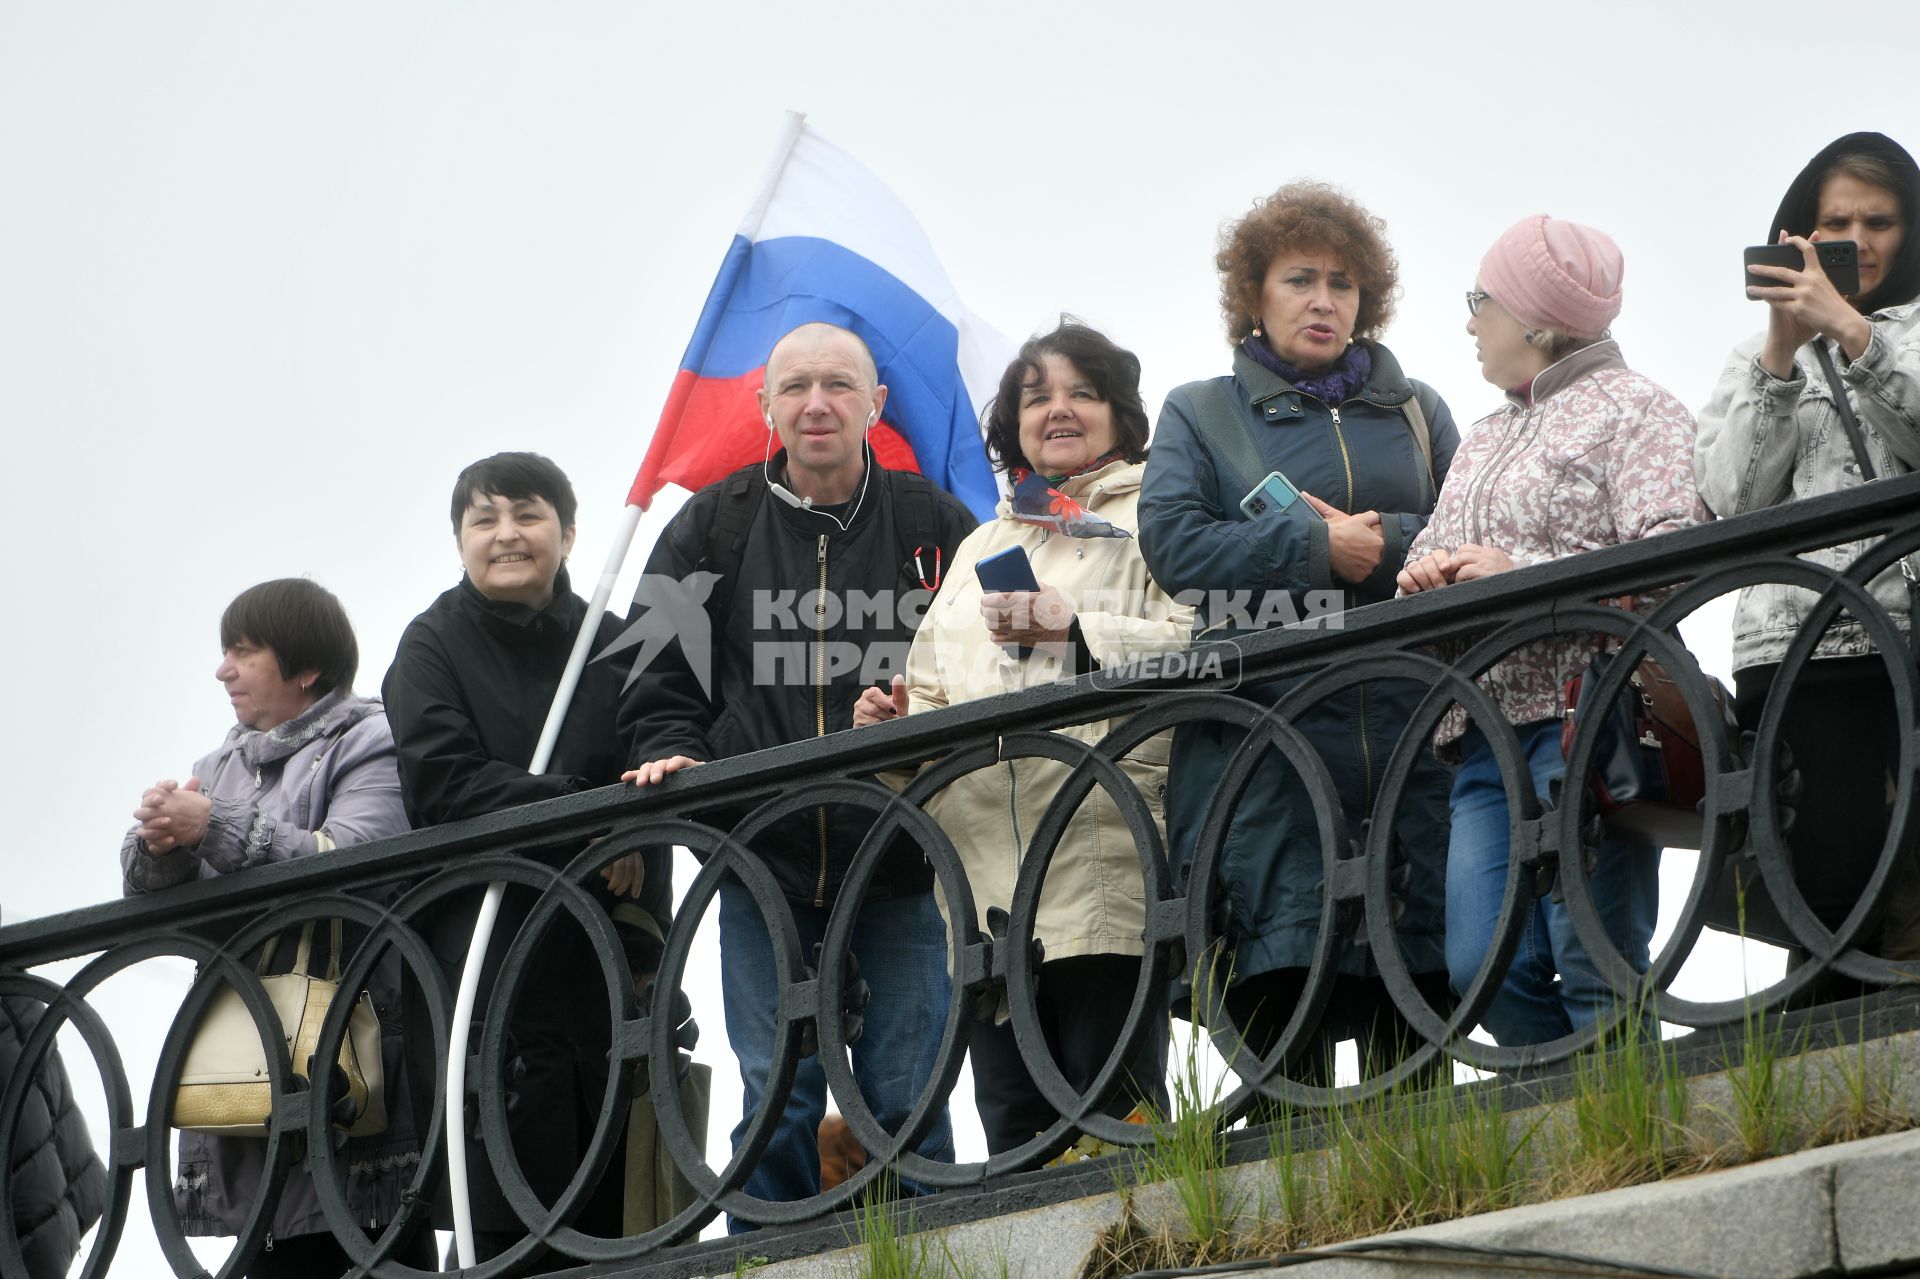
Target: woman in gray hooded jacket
<point>1774,432</point>
<point>308,768</point>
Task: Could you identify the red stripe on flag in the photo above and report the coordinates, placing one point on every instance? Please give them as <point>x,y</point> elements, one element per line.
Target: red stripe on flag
<point>712,427</point>
<point>891,450</point>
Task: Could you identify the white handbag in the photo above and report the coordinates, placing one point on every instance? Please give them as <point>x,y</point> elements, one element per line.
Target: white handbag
<point>224,1086</point>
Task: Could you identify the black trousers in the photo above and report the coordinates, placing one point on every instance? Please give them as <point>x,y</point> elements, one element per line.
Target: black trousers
<point>1083,1004</point>
<point>1839,723</point>
<point>319,1256</point>
<point>1358,1008</point>
<point>557,1052</point>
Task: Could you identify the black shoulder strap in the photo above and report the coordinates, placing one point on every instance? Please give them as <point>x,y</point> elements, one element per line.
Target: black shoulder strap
<point>916,523</point>
<point>1217,419</point>
<point>726,542</point>
<point>1419,415</point>
<point>1844,408</point>
<point>1858,441</point>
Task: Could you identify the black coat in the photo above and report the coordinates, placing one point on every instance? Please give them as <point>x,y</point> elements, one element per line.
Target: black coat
<point>765,688</point>
<point>466,697</point>
<point>468,693</point>
<point>56,1182</point>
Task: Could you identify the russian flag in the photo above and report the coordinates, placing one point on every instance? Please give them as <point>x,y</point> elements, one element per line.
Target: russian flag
<point>826,240</point>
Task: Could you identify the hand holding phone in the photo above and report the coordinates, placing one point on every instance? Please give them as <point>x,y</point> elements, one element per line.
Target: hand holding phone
<point>1018,611</point>
<point>1275,493</point>
<point>1840,259</point>
<point>1806,303</point>
<point>1006,571</point>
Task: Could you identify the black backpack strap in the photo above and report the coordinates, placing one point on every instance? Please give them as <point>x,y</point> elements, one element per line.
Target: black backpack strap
<point>913,512</point>
<point>725,547</point>
<point>916,522</point>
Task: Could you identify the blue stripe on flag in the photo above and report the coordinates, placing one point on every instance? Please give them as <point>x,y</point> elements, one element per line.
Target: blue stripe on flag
<point>766,289</point>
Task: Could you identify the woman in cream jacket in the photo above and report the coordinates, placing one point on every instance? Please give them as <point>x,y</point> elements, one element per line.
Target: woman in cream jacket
<point>1069,428</point>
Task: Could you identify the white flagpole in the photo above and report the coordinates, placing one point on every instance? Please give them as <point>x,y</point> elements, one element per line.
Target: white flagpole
<point>490,904</point>
<point>457,1180</point>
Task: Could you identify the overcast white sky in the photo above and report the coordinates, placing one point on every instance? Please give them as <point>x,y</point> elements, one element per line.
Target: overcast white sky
<point>271,274</point>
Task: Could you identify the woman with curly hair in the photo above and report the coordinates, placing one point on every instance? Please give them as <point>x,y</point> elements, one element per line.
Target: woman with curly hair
<point>1307,284</point>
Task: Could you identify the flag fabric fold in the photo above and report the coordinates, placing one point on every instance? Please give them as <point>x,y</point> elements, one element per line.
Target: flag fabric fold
<point>827,240</point>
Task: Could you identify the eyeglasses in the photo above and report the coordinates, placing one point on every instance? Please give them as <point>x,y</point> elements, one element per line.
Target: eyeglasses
<point>1476,298</point>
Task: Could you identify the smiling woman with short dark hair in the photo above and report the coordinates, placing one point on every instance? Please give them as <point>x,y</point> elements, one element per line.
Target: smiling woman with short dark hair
<point>468,691</point>
<point>1069,429</point>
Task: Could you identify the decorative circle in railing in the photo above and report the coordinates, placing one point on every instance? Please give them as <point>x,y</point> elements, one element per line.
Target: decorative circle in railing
<point>1440,646</point>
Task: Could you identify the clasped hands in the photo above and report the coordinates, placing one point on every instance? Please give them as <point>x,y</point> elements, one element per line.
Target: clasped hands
<point>1462,564</point>
<point>172,815</point>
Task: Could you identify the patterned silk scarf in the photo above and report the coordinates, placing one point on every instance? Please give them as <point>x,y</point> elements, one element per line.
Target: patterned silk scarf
<point>1037,499</point>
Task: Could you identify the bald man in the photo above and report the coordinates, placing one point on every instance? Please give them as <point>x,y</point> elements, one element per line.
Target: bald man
<point>826,563</point>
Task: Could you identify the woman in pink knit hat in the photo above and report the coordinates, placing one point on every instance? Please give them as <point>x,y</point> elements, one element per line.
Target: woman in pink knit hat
<point>1585,453</point>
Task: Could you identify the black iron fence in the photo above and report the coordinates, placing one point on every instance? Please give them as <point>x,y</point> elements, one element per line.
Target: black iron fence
<point>1443,640</point>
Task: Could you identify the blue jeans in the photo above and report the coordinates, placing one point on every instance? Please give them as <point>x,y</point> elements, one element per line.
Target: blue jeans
<point>900,944</point>
<point>1530,1007</point>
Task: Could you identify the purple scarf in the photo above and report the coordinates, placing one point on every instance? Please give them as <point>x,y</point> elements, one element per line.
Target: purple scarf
<point>1335,384</point>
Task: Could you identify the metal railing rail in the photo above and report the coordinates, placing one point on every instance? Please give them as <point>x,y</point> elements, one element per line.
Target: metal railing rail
<point>1443,640</point>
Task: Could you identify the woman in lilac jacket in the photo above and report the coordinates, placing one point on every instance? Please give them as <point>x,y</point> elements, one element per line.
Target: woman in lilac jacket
<point>1585,453</point>
<point>308,768</point>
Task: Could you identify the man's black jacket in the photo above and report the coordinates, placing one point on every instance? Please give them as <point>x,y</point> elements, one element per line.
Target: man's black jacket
<point>771,648</point>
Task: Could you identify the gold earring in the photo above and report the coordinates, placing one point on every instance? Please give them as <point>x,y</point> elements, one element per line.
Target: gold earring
<point>1256,326</point>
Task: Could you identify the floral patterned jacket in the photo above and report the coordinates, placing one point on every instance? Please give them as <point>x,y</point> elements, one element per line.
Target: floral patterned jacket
<point>1601,456</point>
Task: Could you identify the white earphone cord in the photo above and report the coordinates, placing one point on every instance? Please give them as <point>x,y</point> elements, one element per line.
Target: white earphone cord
<point>799,503</point>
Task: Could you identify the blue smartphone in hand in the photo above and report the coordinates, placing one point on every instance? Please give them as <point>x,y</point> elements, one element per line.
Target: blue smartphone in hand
<point>1275,493</point>
<point>1006,571</point>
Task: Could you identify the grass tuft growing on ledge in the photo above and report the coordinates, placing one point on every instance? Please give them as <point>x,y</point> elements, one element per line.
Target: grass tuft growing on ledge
<point>886,1244</point>
<point>1406,1159</point>
<point>1862,1092</point>
<point>1628,1121</point>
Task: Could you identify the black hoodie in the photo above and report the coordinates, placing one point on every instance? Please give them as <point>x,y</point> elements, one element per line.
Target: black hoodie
<point>1800,210</point>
